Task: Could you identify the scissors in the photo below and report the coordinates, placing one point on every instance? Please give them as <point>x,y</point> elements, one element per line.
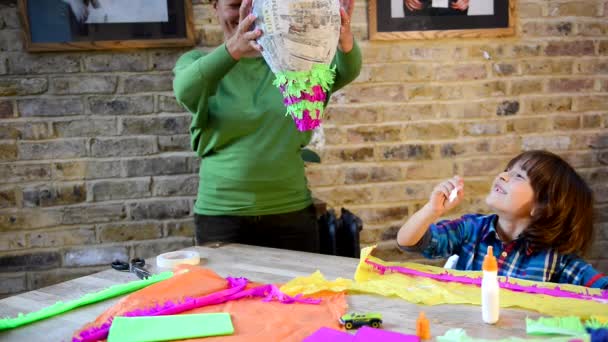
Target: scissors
<point>136,266</point>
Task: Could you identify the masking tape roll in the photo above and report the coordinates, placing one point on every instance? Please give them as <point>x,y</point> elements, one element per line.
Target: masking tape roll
<point>172,259</point>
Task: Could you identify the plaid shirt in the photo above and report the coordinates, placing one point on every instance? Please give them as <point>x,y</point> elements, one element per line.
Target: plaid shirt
<point>470,236</point>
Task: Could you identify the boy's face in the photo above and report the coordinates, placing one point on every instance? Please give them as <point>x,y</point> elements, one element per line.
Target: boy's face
<point>512,194</point>
<point>227,12</point>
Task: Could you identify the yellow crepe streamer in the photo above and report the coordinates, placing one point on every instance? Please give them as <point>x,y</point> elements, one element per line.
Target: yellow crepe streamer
<point>427,291</point>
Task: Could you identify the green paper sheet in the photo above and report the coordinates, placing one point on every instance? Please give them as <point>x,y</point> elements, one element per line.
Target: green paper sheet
<point>555,326</point>
<point>460,335</point>
<point>172,327</point>
<point>89,298</point>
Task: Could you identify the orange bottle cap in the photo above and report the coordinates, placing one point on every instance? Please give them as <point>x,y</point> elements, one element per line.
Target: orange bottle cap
<point>489,261</point>
<point>423,329</point>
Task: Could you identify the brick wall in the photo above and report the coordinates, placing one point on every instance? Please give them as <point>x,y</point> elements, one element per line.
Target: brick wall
<point>95,162</point>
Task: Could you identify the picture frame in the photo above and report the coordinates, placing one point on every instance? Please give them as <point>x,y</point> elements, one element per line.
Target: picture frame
<point>433,19</point>
<point>64,25</point>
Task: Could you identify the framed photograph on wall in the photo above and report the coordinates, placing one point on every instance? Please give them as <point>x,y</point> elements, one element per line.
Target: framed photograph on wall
<point>430,19</point>
<point>53,25</point>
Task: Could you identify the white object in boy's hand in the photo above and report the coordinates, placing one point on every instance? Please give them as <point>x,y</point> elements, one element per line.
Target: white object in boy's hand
<point>453,195</point>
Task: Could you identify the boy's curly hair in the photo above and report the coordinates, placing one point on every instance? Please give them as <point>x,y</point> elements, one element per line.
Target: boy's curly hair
<point>563,203</point>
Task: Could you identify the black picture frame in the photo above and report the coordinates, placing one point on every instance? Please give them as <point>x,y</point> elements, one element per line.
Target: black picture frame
<point>433,23</point>
<point>51,25</point>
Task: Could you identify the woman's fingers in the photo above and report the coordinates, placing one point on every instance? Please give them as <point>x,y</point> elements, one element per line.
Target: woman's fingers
<point>244,10</point>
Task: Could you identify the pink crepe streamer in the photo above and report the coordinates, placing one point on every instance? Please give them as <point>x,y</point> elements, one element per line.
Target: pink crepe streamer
<point>307,123</point>
<point>555,292</point>
<point>236,290</point>
<point>318,95</point>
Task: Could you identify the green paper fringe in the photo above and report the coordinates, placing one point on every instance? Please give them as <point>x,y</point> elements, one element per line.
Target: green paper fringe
<point>294,83</point>
<point>89,298</point>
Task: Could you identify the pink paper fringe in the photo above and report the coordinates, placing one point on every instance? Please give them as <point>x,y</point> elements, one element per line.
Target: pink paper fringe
<point>555,292</point>
<point>307,123</point>
<point>236,290</point>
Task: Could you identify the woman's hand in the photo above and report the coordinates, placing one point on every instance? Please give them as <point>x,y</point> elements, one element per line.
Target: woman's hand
<point>460,5</point>
<point>345,44</point>
<point>413,5</point>
<point>439,201</point>
<point>243,42</point>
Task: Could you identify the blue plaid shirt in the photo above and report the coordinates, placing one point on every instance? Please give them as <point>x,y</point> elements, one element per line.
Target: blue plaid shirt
<point>470,236</point>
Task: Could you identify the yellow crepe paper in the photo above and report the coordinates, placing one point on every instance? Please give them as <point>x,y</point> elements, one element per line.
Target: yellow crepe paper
<point>427,291</point>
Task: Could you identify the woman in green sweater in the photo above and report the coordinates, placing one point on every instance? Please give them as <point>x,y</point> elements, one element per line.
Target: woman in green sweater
<point>252,186</point>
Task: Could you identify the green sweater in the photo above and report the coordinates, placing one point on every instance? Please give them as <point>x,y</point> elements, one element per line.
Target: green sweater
<point>249,148</point>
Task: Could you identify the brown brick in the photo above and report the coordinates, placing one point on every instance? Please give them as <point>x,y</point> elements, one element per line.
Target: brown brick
<point>183,228</point>
<point>594,67</point>
<point>603,47</point>
<point>72,170</point>
<point>526,87</point>
<point>148,83</point>
<point>483,167</point>
<point>360,174</point>
<point>83,85</point>
<point>578,48</point>
<point>505,69</point>
<point>530,10</point>
<point>544,29</point>
<point>334,135</point>
<point>29,261</point>
<point>53,195</point>
<point>484,128</point>
<point>599,29</point>
<point>22,86</point>
<point>348,115</point>
<point>382,214</point>
<point>399,73</point>
<point>488,89</point>
<point>361,134</point>
<point>102,212</point>
<point>469,110</point>
<point>525,50</point>
<point>433,54</point>
<point>407,112</point>
<point>430,131</point>
<point>566,122</point>
<point>570,85</point>
<point>592,121</point>
<point>507,108</point>
<point>347,154</point>
<point>528,125</point>
<point>8,151</point>
<point>6,109</point>
<point>7,198</point>
<point>345,195</point>
<point>586,103</point>
<point>551,143</point>
<point>63,237</point>
<point>573,9</point>
<point>398,192</point>
<point>369,93</point>
<point>118,232</point>
<point>471,147</point>
<point>604,85</point>
<point>549,104</point>
<point>21,130</point>
<point>12,241</point>
<point>406,152</point>
<point>546,67</point>
<point>461,72</point>
<point>426,92</point>
<point>436,169</point>
<point>324,176</point>
<point>506,144</point>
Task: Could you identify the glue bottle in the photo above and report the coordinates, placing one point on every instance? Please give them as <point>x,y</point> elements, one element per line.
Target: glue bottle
<point>489,289</point>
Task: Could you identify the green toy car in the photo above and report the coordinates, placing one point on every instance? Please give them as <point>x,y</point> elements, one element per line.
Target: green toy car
<point>356,320</point>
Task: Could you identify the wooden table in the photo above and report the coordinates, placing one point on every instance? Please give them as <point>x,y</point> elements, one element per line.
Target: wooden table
<point>262,265</point>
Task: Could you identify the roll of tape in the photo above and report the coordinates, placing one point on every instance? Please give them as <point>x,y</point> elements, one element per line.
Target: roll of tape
<point>172,259</point>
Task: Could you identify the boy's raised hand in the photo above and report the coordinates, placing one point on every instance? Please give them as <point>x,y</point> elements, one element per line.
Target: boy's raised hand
<point>440,197</point>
